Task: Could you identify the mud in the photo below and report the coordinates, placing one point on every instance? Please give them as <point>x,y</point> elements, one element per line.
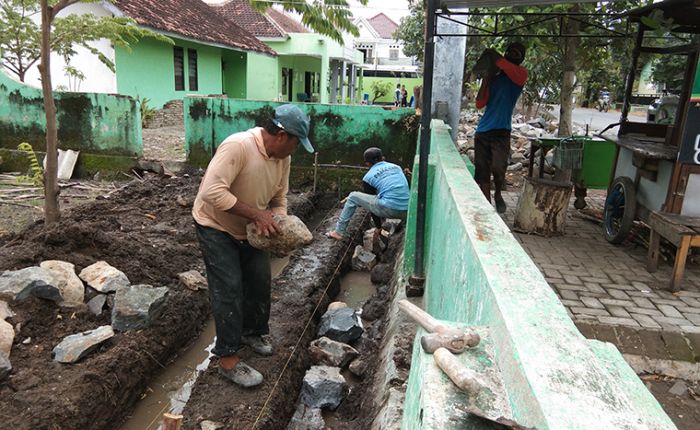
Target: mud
<point>146,231</point>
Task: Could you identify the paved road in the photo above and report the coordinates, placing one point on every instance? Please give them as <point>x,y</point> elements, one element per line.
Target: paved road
<point>595,120</point>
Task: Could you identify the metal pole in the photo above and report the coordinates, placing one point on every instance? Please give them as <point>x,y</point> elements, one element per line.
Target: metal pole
<point>416,281</point>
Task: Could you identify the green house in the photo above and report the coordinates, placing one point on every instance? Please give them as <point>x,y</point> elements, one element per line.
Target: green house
<point>308,66</point>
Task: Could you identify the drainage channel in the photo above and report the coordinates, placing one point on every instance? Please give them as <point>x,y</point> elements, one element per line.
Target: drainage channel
<point>171,389</point>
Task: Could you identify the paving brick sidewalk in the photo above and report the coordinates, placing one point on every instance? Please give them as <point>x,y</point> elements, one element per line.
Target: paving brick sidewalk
<point>600,283</point>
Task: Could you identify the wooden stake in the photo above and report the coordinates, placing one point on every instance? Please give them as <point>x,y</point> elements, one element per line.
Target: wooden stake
<point>172,422</point>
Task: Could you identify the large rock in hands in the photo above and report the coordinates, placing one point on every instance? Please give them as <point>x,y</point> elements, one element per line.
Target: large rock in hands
<point>294,234</point>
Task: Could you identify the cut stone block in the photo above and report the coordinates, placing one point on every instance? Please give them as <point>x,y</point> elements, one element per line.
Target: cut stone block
<point>342,325</point>
<point>68,283</point>
<point>7,336</point>
<point>76,346</point>
<point>294,234</point>
<point>193,280</point>
<point>362,260</point>
<point>103,277</point>
<point>323,387</point>
<point>136,306</point>
<point>331,353</point>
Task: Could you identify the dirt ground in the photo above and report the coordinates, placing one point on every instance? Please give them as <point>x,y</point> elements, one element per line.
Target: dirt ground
<point>683,408</point>
<point>146,231</point>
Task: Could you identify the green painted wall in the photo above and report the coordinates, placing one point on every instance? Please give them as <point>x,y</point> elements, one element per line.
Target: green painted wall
<point>147,70</point>
<point>235,74</point>
<point>340,133</point>
<point>478,274</point>
<point>263,77</point>
<point>93,123</point>
<point>299,66</point>
<point>409,82</point>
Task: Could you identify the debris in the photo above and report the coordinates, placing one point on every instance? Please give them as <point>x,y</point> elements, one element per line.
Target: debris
<point>294,234</point>
<point>27,341</point>
<point>392,225</point>
<point>193,280</point>
<point>210,425</point>
<point>328,352</point>
<point>323,387</point>
<point>342,325</point>
<point>362,260</point>
<point>184,203</point>
<point>71,287</point>
<point>514,167</point>
<point>7,336</point>
<point>358,367</point>
<point>14,283</point>
<point>306,418</point>
<point>5,366</point>
<point>97,303</point>
<point>136,306</point>
<point>679,388</point>
<point>103,277</point>
<point>76,346</point>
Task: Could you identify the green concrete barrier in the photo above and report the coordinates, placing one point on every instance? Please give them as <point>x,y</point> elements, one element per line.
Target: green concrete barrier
<point>478,274</point>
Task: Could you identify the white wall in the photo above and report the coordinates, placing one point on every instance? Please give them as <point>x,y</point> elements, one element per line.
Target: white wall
<point>98,78</point>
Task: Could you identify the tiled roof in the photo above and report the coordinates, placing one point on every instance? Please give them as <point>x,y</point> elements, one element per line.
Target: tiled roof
<point>243,14</point>
<point>288,24</point>
<point>383,25</point>
<point>192,19</point>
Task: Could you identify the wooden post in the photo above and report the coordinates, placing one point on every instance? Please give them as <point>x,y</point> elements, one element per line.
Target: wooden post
<point>171,422</point>
<point>679,264</point>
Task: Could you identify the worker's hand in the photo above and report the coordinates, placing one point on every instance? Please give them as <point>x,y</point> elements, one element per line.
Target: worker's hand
<point>265,224</point>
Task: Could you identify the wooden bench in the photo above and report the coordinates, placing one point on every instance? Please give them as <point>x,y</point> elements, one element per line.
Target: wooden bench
<point>682,231</point>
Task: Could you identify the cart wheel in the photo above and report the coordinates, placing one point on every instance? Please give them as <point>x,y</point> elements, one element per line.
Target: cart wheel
<point>620,209</point>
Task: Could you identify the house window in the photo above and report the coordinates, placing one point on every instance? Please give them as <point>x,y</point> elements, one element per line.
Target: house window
<point>393,54</point>
<point>192,69</point>
<point>179,65</point>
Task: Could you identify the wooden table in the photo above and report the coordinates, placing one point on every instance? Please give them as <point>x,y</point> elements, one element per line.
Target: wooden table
<point>682,231</point>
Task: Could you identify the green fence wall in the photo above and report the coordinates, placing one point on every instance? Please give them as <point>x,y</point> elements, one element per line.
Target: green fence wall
<point>478,274</point>
<point>93,123</point>
<point>389,98</point>
<point>339,133</point>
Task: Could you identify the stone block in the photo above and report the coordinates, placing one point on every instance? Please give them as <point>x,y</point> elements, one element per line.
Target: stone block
<point>306,418</point>
<point>7,337</point>
<point>96,304</point>
<point>328,352</point>
<point>36,281</point>
<point>76,346</point>
<point>69,284</point>
<point>136,306</point>
<point>362,260</point>
<point>294,234</point>
<point>323,387</point>
<point>341,325</point>
<point>103,277</point>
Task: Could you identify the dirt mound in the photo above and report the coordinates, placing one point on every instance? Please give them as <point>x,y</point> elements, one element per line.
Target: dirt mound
<point>146,231</point>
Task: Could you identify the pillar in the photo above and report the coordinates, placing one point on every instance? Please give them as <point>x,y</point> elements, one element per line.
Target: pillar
<point>448,75</point>
<point>334,82</point>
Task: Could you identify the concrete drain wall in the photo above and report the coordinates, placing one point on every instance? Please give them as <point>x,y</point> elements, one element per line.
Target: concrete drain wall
<point>553,376</point>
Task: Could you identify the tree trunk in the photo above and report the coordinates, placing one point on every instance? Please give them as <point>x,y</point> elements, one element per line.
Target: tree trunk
<point>569,45</point>
<point>51,210</point>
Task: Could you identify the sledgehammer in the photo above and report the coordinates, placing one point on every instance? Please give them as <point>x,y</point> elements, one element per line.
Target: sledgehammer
<point>439,335</point>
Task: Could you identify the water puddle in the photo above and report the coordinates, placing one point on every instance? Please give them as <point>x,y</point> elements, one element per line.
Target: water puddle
<point>355,289</point>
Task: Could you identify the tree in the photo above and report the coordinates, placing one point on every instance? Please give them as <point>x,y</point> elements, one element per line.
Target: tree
<point>20,36</point>
<point>668,72</point>
<point>412,29</point>
<point>379,89</point>
<point>329,17</point>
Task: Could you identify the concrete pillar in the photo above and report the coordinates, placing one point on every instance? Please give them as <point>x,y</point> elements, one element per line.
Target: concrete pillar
<point>325,70</point>
<point>352,88</point>
<point>448,74</point>
<point>334,82</point>
<point>343,87</point>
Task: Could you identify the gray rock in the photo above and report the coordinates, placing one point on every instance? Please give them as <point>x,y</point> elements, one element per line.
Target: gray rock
<point>97,303</point>
<point>136,306</point>
<point>679,388</point>
<point>7,336</point>
<point>5,366</point>
<point>372,245</point>
<point>382,273</point>
<point>392,225</point>
<point>193,280</point>
<point>76,346</point>
<point>342,325</point>
<point>5,311</point>
<point>294,234</point>
<point>20,284</point>
<point>362,260</point>
<point>517,157</point>
<point>358,367</point>
<point>71,287</point>
<point>210,425</point>
<point>306,418</point>
<point>103,277</point>
<point>331,353</point>
<point>323,387</point>
<point>514,167</point>
<point>336,305</point>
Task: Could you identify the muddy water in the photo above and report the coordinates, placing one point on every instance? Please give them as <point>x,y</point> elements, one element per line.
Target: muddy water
<point>171,389</point>
<point>355,289</point>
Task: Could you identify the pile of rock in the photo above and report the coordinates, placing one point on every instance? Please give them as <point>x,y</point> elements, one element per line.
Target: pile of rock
<point>97,286</point>
<point>372,255</point>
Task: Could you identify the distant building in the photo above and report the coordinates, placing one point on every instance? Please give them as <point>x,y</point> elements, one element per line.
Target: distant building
<point>383,55</point>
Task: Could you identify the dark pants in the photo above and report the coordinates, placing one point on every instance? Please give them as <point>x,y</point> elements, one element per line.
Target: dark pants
<point>491,152</point>
<point>239,288</point>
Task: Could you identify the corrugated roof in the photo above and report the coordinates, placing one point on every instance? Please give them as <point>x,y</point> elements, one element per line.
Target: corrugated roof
<point>383,25</point>
<point>192,19</point>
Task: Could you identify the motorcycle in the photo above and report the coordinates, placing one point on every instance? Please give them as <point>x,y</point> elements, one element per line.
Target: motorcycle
<point>603,102</point>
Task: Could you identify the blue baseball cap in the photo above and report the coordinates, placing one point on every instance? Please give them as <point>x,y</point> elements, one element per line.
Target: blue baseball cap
<point>295,122</point>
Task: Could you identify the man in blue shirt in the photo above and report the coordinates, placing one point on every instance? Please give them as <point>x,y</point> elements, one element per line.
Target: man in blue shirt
<point>386,193</point>
<point>498,93</point>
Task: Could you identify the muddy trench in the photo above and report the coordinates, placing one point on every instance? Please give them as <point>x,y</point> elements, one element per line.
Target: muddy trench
<point>146,231</point>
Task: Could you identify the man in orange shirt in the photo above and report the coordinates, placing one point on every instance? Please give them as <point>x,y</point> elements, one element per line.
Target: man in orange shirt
<point>246,181</point>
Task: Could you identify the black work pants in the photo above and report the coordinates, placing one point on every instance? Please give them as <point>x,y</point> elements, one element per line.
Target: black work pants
<point>239,288</point>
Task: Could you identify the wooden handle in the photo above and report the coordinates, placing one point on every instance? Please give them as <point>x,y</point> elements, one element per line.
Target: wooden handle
<point>466,379</point>
<point>419,315</point>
